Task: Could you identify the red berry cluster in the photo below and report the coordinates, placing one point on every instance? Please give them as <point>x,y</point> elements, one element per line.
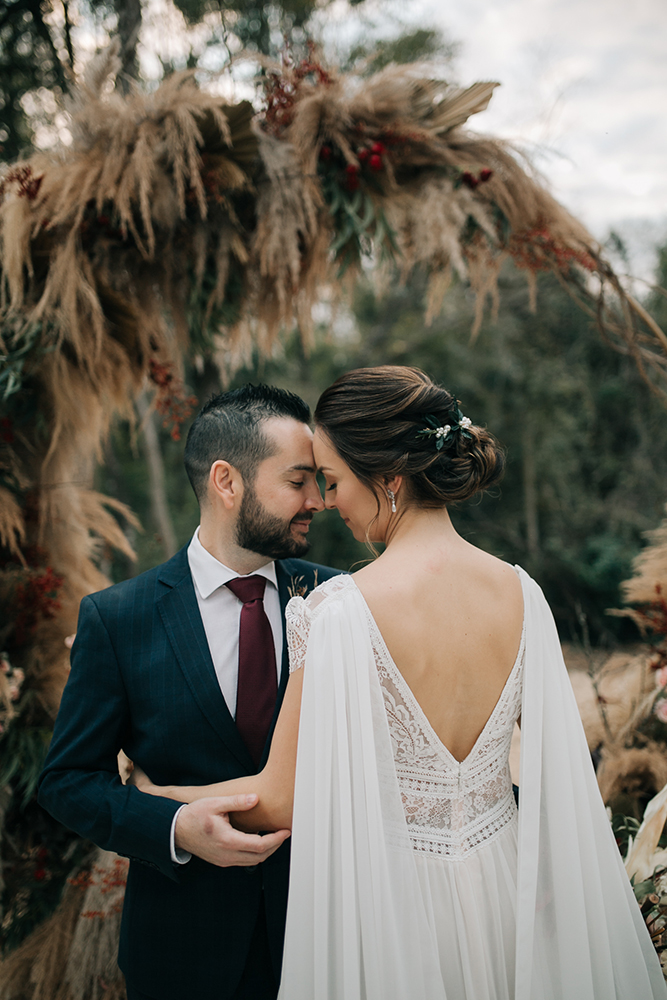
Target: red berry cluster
<point>538,250</point>
<point>107,880</point>
<point>82,881</point>
<point>6,431</point>
<point>282,92</point>
<point>472,182</point>
<point>368,158</point>
<point>211,182</point>
<point>93,222</point>
<point>29,185</point>
<point>171,400</point>
<point>35,599</point>
<point>372,156</point>
<point>40,873</point>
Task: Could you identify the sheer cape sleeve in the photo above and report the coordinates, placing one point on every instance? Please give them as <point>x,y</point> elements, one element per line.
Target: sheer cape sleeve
<point>579,929</point>
<point>359,926</point>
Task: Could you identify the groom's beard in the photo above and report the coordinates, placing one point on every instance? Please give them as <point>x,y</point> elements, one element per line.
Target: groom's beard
<point>264,533</point>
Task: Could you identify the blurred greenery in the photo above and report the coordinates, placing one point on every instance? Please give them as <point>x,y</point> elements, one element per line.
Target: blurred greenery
<point>258,27</point>
<point>29,61</point>
<point>408,47</point>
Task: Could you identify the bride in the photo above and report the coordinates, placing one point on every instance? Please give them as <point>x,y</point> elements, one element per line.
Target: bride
<point>414,875</point>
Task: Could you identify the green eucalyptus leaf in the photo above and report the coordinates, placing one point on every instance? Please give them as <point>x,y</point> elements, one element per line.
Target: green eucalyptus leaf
<point>369,211</point>
<point>343,237</point>
<point>388,234</point>
<point>351,205</point>
<point>336,200</point>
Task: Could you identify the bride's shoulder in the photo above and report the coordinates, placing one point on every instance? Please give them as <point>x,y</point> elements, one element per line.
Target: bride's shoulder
<point>328,590</point>
<point>306,607</point>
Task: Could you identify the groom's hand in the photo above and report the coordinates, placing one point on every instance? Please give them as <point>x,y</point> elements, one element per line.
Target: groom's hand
<point>203,829</point>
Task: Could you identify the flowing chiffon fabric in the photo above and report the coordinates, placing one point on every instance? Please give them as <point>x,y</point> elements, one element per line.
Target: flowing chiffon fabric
<point>543,911</point>
<point>474,917</point>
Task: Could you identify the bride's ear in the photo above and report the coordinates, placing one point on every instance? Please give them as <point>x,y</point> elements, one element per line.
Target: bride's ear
<point>393,484</point>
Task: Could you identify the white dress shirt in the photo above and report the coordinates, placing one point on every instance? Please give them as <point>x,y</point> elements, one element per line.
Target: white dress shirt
<point>220,611</point>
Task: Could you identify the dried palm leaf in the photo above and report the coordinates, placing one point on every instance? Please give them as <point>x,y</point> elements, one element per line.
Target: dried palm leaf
<point>643,856</point>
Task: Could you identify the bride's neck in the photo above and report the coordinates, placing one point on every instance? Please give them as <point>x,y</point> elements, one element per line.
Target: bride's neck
<point>417,526</point>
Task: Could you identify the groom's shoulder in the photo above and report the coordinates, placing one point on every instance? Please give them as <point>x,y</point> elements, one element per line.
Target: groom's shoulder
<point>145,587</point>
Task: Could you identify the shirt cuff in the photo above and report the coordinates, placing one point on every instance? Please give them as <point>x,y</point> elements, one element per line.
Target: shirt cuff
<point>178,856</point>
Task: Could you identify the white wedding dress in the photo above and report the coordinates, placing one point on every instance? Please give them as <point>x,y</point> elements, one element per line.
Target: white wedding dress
<point>414,876</point>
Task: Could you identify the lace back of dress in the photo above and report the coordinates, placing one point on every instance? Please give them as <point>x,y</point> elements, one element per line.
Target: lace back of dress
<point>451,807</point>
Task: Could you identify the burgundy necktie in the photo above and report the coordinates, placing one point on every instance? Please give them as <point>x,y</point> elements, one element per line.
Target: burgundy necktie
<point>258,682</point>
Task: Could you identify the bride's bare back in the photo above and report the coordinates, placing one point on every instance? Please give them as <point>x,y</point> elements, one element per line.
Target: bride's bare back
<point>451,616</point>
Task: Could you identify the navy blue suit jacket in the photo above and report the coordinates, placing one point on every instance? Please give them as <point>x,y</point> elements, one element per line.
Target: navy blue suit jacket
<point>142,679</point>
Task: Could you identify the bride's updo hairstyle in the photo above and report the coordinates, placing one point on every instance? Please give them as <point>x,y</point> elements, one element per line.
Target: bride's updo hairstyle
<point>383,423</point>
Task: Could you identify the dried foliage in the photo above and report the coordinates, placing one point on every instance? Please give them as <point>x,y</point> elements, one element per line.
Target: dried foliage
<point>632,753</point>
<point>629,739</point>
<point>650,569</point>
<point>645,864</point>
<point>643,856</point>
<point>72,956</point>
<point>632,771</point>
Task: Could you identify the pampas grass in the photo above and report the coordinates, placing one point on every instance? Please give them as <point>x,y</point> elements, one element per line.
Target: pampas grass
<point>650,569</point>
<point>35,970</point>
<point>72,955</point>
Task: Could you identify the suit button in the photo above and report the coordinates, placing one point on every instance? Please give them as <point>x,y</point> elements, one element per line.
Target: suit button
<point>251,869</point>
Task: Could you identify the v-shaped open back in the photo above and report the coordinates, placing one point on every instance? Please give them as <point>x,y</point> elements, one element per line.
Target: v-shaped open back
<point>381,648</point>
<point>451,807</point>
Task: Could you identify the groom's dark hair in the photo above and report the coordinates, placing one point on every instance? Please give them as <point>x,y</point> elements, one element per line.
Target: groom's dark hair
<point>229,427</point>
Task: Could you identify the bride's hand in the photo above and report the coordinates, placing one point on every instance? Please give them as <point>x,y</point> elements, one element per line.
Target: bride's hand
<point>140,780</point>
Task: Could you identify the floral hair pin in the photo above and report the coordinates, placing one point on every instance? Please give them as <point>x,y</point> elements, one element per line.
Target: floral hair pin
<point>442,433</point>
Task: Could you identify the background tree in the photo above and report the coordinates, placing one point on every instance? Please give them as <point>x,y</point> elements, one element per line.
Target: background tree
<point>33,60</point>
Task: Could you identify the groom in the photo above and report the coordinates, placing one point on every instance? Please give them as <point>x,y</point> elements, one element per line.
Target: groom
<point>184,668</point>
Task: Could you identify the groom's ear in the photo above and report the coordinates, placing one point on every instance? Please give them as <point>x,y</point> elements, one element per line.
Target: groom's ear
<point>225,484</point>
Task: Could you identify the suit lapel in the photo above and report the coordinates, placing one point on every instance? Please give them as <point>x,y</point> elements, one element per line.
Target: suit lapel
<point>180,615</point>
<point>284,579</point>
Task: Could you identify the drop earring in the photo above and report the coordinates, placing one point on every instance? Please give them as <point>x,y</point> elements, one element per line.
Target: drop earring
<point>392,497</point>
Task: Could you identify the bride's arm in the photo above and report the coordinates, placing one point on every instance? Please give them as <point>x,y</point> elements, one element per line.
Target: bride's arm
<point>274,784</point>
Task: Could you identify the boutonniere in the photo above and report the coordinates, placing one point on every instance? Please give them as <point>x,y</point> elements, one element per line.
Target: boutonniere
<point>297,587</point>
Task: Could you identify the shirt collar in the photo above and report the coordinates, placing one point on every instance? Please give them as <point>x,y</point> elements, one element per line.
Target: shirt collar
<point>209,573</point>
